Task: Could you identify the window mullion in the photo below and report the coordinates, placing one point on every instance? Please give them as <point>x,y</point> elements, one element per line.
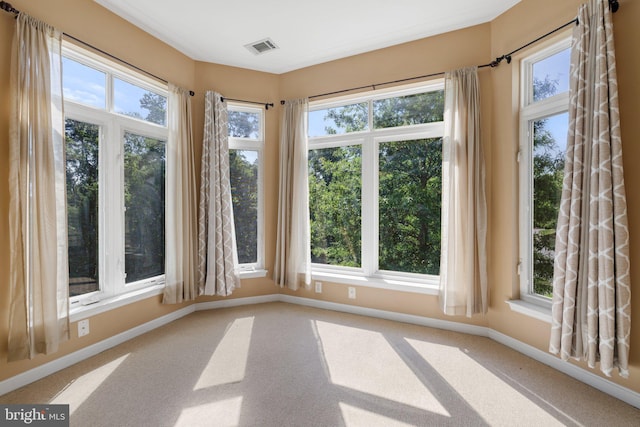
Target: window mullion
<point>112,210</point>
<point>109,92</point>
<point>369,224</point>
<point>260,225</point>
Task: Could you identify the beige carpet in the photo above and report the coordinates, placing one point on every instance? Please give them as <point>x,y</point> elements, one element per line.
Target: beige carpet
<point>279,364</point>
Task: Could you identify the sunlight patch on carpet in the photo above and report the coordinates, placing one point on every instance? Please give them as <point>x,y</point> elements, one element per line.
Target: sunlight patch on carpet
<point>354,416</point>
<point>76,393</point>
<point>373,367</point>
<point>487,394</point>
<point>224,413</point>
<point>228,363</point>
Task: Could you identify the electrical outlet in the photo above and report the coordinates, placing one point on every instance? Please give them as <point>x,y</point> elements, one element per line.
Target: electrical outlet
<point>83,327</point>
<point>318,287</point>
<point>352,292</point>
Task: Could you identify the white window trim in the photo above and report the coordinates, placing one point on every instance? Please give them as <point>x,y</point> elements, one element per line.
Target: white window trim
<point>530,303</point>
<point>368,275</point>
<point>114,291</point>
<point>255,269</point>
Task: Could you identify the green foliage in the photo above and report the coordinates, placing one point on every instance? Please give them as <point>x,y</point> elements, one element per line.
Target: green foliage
<point>410,181</point>
<point>334,205</point>
<point>409,206</point>
<point>144,196</point>
<point>350,118</point>
<point>81,144</point>
<point>244,193</point>
<point>408,110</point>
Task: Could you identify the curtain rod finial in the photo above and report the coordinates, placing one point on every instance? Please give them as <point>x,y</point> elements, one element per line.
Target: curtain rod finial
<point>614,5</point>
<point>8,8</point>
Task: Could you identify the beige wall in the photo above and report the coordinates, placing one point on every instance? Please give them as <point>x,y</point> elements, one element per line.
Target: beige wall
<point>472,46</point>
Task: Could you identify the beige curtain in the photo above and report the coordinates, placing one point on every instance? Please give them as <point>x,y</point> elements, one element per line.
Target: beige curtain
<point>39,279</point>
<point>181,217</point>
<point>293,256</point>
<point>463,272</point>
<point>217,254</point>
<point>591,285</point>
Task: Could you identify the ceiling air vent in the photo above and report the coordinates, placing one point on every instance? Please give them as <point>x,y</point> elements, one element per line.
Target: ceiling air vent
<point>261,46</point>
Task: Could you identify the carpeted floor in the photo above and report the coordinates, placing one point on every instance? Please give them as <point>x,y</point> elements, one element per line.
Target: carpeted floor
<point>279,364</point>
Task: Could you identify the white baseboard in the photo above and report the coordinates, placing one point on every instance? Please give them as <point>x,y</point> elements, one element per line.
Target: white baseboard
<point>626,395</point>
<point>235,302</point>
<point>389,315</point>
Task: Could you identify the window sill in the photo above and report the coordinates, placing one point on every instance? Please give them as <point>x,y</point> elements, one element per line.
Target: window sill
<point>251,274</point>
<point>84,311</point>
<point>531,310</point>
<point>79,311</point>
<point>428,287</point>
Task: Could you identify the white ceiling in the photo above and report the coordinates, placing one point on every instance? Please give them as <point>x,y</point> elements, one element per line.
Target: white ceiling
<point>307,32</point>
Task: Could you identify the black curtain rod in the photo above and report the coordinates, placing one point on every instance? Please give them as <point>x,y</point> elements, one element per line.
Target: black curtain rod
<point>8,8</point>
<point>266,104</point>
<point>613,5</point>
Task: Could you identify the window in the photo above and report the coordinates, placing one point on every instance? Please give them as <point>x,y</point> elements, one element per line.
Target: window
<point>246,141</point>
<point>543,134</point>
<point>115,128</point>
<point>375,178</point>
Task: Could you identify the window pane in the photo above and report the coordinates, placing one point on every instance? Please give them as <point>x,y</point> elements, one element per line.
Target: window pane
<point>134,101</point>
<point>409,110</point>
<point>549,146</point>
<point>244,192</point>
<point>243,124</point>
<point>551,75</point>
<point>335,205</point>
<point>81,144</point>
<point>83,84</point>
<point>409,206</point>
<point>144,183</point>
<point>339,120</point>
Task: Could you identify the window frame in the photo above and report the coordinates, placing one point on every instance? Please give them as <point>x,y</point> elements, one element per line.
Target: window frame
<point>253,144</point>
<point>369,141</point>
<point>531,111</point>
<point>111,208</point>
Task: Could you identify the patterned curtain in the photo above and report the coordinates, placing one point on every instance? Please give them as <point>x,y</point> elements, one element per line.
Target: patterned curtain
<point>463,265</point>
<point>181,208</point>
<point>591,284</point>
<point>293,256</point>
<point>217,254</point>
<point>39,279</point>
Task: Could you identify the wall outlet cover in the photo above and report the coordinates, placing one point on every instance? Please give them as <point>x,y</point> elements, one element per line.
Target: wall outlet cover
<point>83,327</point>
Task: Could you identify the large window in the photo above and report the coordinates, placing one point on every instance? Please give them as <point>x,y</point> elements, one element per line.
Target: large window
<point>543,136</point>
<point>246,141</point>
<point>115,128</point>
<point>375,178</point>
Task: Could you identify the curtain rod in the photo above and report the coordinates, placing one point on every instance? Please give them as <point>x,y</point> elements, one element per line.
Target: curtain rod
<point>266,104</point>
<point>613,5</point>
<point>7,7</point>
